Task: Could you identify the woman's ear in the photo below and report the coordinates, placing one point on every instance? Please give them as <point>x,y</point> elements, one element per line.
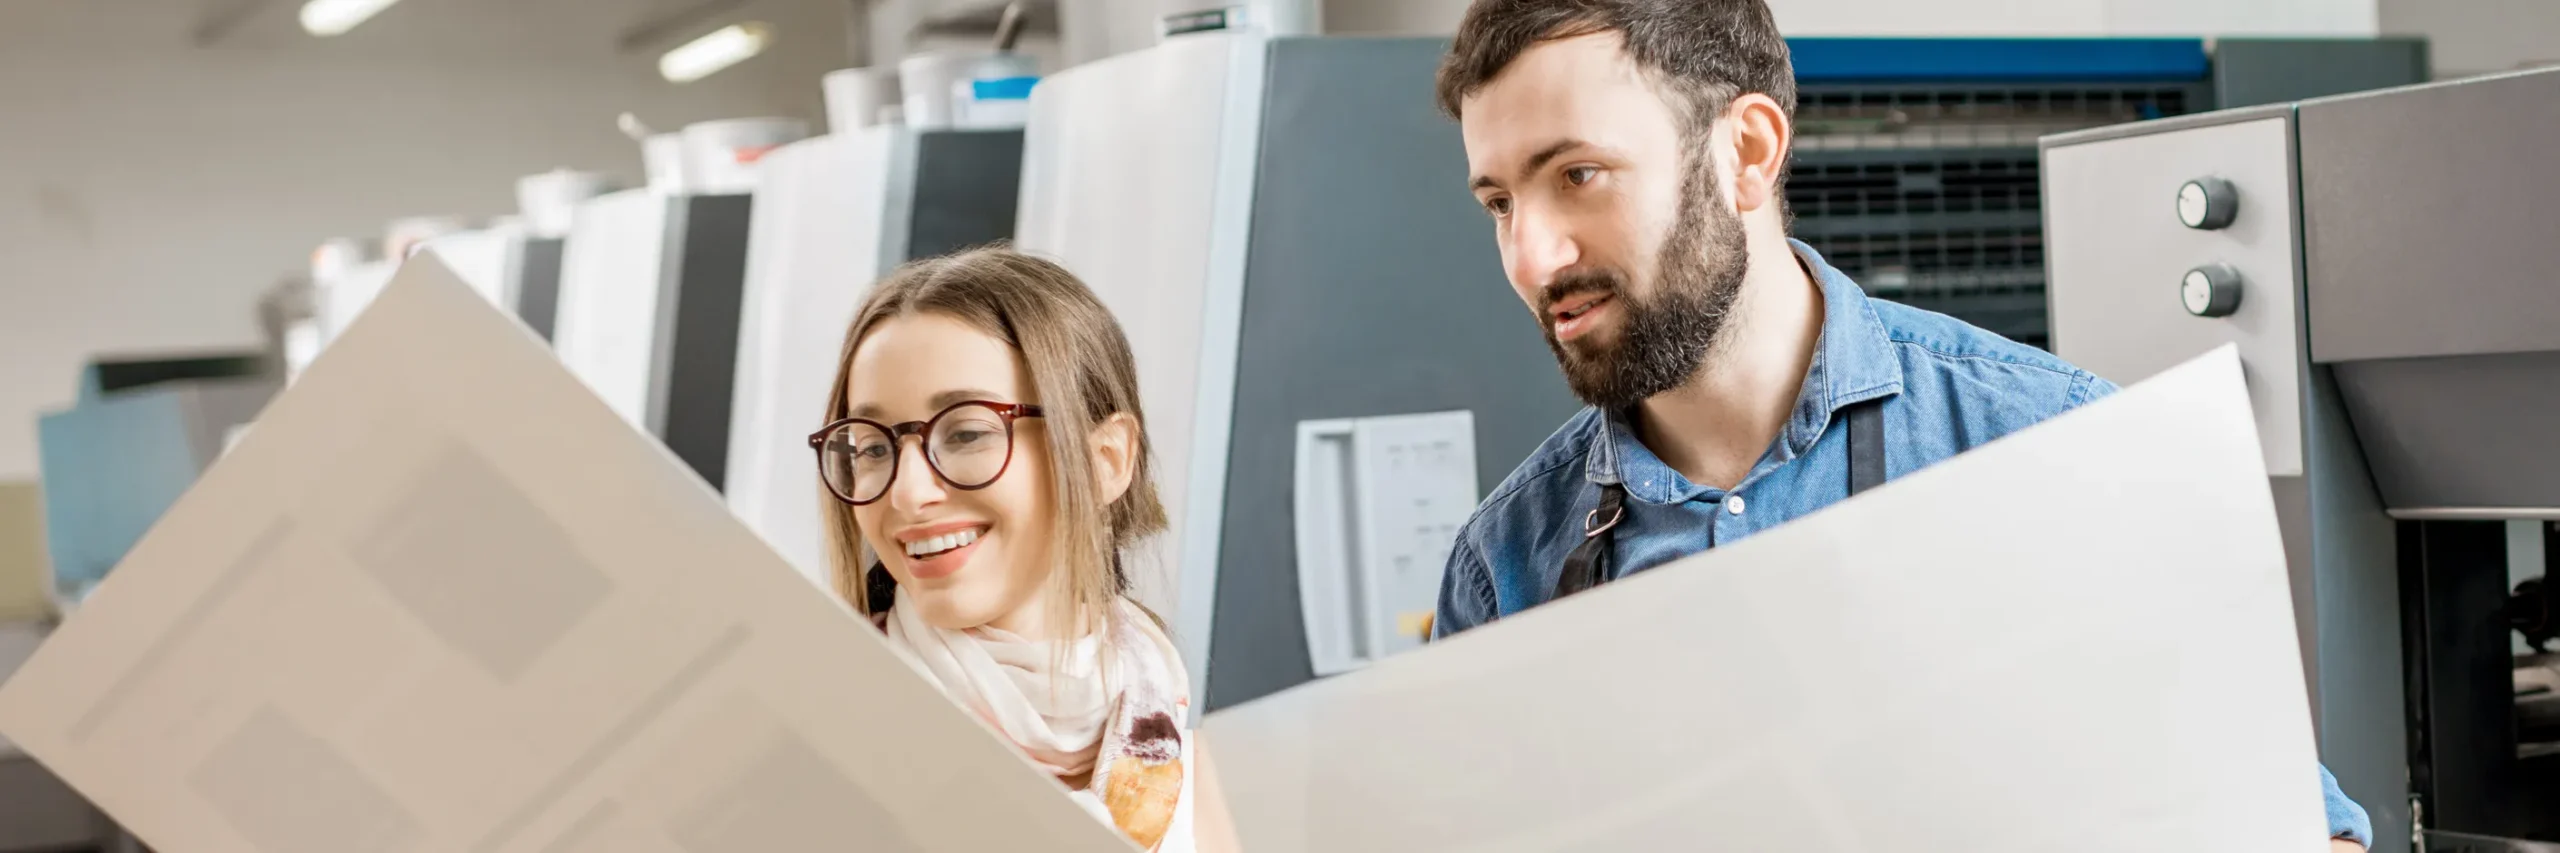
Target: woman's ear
<point>1114,444</point>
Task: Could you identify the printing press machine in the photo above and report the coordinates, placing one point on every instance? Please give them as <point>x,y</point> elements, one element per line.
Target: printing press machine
<point>2384,261</point>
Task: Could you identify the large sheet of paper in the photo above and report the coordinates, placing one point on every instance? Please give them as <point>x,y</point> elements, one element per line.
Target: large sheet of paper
<point>442,598</point>
<point>2079,637</point>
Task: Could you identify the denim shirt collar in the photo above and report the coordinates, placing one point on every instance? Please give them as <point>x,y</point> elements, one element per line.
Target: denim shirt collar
<point>1852,362</point>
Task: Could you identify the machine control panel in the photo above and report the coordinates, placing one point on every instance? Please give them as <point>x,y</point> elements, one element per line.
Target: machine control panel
<point>2112,257</point>
<point>2212,290</point>
<point>2207,204</point>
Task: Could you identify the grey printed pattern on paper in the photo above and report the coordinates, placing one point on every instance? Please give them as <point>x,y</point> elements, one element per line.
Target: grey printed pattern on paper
<point>287,790</point>
<point>480,564</point>
<point>182,629</point>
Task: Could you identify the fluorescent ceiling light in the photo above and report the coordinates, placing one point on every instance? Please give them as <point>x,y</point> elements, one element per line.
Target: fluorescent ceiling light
<point>332,17</point>
<point>709,54</point>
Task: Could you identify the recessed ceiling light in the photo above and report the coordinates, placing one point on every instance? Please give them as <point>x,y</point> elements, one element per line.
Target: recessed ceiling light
<point>709,54</point>
<point>332,17</point>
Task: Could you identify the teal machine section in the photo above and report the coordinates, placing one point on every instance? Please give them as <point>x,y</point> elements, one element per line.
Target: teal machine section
<point>136,439</point>
<point>1372,286</point>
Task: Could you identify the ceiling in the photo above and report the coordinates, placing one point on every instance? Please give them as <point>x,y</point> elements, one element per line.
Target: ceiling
<point>574,29</point>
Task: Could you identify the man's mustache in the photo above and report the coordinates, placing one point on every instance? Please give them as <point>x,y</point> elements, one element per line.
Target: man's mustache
<point>1576,283</point>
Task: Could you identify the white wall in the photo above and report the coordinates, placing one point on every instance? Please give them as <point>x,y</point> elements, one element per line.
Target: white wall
<point>2466,37</point>
<point>150,189</point>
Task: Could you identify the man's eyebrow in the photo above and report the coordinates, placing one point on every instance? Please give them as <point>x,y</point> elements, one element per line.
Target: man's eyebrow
<point>1530,166</point>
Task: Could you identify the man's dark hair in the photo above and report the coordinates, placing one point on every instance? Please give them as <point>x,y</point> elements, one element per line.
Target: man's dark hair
<point>1704,53</point>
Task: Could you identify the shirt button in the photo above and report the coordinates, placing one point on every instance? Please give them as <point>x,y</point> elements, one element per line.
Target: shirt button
<point>1733,504</point>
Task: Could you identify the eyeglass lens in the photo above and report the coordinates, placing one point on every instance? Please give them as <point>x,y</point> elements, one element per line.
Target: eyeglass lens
<point>968,446</point>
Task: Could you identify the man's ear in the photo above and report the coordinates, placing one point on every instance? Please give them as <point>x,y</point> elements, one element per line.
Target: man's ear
<point>1761,135</point>
<point>1114,448</point>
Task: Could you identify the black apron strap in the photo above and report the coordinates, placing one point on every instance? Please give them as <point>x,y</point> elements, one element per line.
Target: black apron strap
<point>1866,445</point>
<point>1588,564</point>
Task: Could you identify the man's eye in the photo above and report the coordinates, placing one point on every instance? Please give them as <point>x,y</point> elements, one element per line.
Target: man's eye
<point>1498,206</point>
<point>1580,175</point>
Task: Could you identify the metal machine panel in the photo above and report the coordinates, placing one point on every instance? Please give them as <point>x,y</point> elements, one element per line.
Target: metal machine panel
<point>1136,176</point>
<point>816,246</point>
<point>2460,437</point>
<point>649,293</point>
<point>2117,253</point>
<point>968,188</point>
<point>699,366</point>
<point>2354,667</point>
<point>1374,288</point>
<point>2427,219</point>
<point>537,282</point>
<point>2252,71</point>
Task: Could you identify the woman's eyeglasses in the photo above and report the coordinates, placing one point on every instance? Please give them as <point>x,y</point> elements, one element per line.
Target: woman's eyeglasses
<point>968,445</point>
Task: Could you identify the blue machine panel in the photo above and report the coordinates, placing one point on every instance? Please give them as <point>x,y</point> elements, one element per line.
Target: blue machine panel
<point>1842,60</point>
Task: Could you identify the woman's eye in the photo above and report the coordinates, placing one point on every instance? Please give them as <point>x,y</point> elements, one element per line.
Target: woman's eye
<point>1580,175</point>
<point>967,437</point>
<point>872,452</point>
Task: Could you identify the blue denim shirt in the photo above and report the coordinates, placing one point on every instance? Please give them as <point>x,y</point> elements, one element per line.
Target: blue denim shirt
<point>1947,387</point>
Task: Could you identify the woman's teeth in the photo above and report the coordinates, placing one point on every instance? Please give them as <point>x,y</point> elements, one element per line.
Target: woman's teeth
<point>939,544</point>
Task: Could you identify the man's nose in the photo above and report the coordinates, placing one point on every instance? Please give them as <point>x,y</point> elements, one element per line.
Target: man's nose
<point>1542,245</point>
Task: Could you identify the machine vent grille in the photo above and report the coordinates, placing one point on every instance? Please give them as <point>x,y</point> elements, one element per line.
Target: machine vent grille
<point>1928,195</point>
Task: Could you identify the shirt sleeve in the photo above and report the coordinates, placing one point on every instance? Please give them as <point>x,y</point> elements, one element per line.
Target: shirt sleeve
<point>2346,819</point>
<point>1466,592</point>
<point>2088,388</point>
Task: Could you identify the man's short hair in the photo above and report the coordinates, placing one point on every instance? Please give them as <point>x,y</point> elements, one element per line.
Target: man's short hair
<point>1703,53</point>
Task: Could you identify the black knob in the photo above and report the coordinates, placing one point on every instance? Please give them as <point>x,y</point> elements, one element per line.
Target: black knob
<point>2212,290</point>
<point>2207,203</point>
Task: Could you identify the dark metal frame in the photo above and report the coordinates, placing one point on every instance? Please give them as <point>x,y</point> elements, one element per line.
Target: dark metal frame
<point>2465,775</point>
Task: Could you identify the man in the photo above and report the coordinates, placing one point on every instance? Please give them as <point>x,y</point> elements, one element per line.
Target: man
<point>1631,155</point>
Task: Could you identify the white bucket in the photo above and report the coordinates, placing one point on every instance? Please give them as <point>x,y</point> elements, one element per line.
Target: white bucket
<point>855,97</point>
<point>549,200</point>
<point>925,83</point>
<point>997,93</point>
<point>720,156</point>
<point>662,157</point>
<point>1269,17</point>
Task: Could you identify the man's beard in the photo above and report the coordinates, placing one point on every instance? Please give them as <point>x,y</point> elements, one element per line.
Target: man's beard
<point>1663,337</point>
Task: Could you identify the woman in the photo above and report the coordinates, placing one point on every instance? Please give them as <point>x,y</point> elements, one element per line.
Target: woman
<point>988,463</point>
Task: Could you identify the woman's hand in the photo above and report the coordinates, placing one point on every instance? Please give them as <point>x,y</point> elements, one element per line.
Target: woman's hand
<point>2341,845</point>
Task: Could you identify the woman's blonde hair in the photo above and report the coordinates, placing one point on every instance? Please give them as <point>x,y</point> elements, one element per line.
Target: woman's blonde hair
<point>1081,372</point>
